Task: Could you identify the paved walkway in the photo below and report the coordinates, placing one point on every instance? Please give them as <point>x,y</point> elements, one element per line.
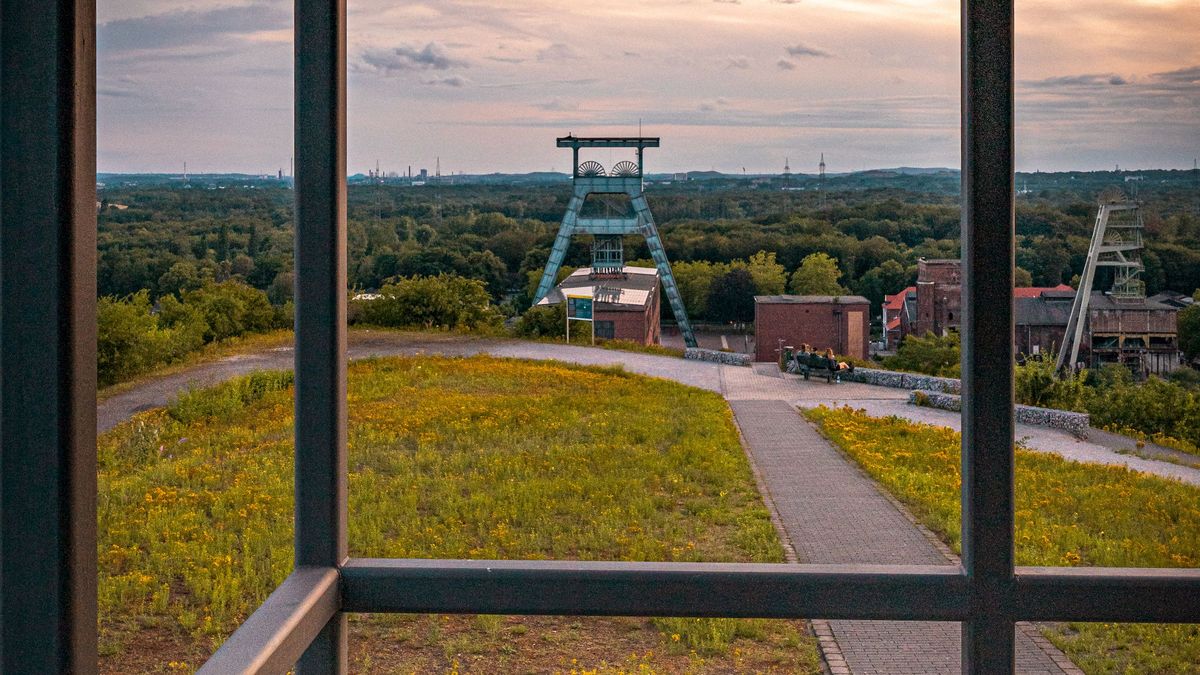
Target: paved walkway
<point>832,513</point>
<point>829,511</point>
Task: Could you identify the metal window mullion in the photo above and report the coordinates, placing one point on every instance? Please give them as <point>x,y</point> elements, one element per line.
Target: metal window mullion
<point>987,364</point>
<point>320,147</point>
<point>47,337</point>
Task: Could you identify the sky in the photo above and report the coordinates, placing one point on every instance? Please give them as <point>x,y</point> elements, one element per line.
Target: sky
<point>729,85</point>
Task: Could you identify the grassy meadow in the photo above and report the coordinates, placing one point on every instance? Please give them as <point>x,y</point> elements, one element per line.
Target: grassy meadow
<point>449,458</point>
<point>1067,514</point>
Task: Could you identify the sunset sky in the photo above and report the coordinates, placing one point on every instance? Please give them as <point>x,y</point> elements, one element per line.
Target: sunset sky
<point>727,84</point>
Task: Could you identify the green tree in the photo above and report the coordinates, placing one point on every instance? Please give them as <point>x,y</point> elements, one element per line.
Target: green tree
<point>1022,278</point>
<point>889,277</point>
<point>1188,325</point>
<point>694,280</point>
<point>534,277</point>
<point>769,276</point>
<point>817,275</point>
<point>731,296</point>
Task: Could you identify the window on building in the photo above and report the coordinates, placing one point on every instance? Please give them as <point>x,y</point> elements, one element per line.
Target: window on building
<point>605,329</point>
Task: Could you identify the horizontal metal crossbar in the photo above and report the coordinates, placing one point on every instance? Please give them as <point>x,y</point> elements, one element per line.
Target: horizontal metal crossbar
<point>922,593</point>
<point>608,142</point>
<point>277,633</point>
<point>1108,594</point>
<point>654,589</point>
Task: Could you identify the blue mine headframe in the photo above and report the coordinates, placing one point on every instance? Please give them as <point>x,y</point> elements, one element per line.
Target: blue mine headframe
<point>624,178</point>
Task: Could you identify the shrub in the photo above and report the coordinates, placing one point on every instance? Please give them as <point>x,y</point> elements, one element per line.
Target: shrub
<point>543,321</point>
<point>931,355</point>
<point>231,308</point>
<point>132,339</point>
<point>1154,407</point>
<point>1037,383</point>
<point>446,301</point>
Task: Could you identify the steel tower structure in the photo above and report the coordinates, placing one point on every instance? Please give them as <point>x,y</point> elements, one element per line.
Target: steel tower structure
<point>625,179</point>
<point>1116,244</point>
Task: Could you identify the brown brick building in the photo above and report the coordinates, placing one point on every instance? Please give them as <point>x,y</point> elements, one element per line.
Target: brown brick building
<point>625,307</point>
<point>823,321</point>
<point>939,296</point>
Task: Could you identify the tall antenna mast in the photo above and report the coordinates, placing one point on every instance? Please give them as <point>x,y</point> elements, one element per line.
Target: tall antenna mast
<point>1196,185</point>
<point>821,178</point>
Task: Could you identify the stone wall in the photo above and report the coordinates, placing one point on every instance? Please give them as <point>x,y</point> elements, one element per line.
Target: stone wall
<point>1074,422</point>
<point>898,380</point>
<point>727,358</point>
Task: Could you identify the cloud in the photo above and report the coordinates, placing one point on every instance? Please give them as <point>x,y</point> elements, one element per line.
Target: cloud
<point>118,92</point>
<point>557,105</point>
<point>728,2</point>
<point>189,27</point>
<point>449,81</point>
<point>541,83</point>
<point>1183,75</point>
<point>740,62</point>
<point>1084,80</point>
<point>709,106</point>
<point>432,56</point>
<point>784,64</point>
<point>557,52</point>
<point>788,2</point>
<point>801,49</point>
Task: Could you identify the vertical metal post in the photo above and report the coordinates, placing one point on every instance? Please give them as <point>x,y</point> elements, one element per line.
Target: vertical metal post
<point>320,81</point>
<point>987,347</point>
<point>47,336</point>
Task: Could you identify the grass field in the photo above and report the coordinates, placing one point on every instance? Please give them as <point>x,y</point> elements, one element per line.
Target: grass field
<point>1067,514</point>
<point>470,458</point>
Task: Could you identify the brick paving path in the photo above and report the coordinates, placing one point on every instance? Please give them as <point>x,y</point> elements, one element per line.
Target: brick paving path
<point>832,513</point>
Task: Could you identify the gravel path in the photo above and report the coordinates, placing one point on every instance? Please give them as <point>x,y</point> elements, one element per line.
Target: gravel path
<point>1040,439</point>
<point>156,392</point>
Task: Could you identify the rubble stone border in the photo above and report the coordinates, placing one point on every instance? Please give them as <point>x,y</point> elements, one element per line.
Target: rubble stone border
<point>715,356</point>
<point>1075,422</point>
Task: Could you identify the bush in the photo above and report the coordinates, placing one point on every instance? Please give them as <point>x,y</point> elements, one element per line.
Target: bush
<point>1037,383</point>
<point>931,355</point>
<point>1153,407</point>
<point>232,308</point>
<point>543,321</point>
<point>446,301</point>
<point>132,338</point>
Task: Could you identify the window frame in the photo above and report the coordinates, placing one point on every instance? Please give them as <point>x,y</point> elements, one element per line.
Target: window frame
<point>47,405</point>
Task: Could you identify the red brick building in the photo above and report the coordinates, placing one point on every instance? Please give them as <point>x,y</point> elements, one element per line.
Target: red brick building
<point>939,301</point>
<point>625,307</point>
<point>939,296</point>
<point>822,321</point>
<point>893,311</point>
